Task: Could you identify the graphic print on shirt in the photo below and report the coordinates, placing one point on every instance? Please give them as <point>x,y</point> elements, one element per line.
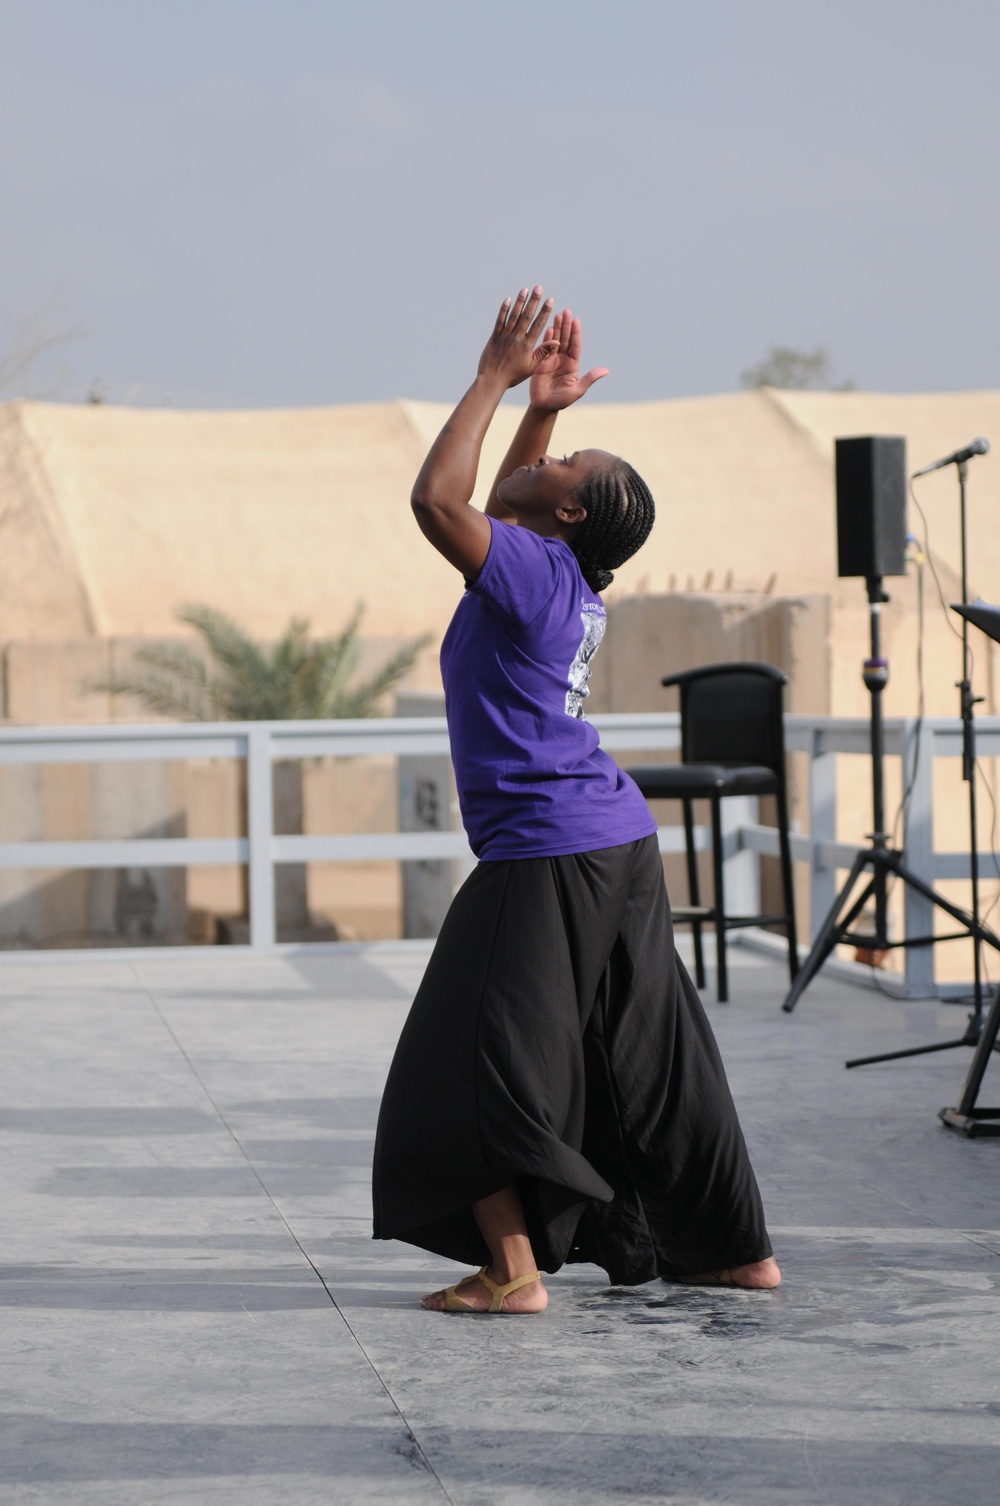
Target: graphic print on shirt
<point>594,623</point>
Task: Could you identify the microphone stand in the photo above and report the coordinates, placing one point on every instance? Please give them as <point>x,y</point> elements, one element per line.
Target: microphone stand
<point>966,1117</point>
<point>968,703</point>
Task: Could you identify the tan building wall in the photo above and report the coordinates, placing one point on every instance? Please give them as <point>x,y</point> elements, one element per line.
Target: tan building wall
<point>110,518</point>
<point>81,801</point>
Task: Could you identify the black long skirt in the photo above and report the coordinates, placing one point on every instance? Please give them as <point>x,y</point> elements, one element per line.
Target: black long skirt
<point>557,1043</point>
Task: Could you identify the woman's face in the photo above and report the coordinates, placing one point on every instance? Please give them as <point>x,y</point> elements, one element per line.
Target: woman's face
<point>544,492</point>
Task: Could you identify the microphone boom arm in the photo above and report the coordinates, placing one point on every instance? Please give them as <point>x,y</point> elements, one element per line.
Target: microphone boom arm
<point>958,457</point>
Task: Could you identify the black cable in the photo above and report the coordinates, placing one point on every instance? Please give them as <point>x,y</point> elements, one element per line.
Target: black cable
<point>945,606</point>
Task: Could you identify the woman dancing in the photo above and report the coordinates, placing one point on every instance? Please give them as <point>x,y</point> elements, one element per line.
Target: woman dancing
<point>556,1094</point>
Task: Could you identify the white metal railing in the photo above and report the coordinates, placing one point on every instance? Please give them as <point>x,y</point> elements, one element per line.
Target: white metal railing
<point>918,744</point>
<point>260,744</point>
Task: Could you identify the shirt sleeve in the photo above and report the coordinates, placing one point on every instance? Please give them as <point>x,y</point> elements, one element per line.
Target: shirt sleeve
<point>520,575</point>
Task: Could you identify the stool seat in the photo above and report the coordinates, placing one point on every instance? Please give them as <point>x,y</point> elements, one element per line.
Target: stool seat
<point>732,743</point>
<point>666,781</point>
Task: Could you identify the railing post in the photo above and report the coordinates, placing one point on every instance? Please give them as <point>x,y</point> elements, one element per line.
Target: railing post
<point>260,831</point>
<point>918,849</point>
<point>742,867</point>
<point>822,828</point>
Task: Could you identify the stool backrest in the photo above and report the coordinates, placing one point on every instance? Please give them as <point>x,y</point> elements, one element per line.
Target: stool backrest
<point>732,714</point>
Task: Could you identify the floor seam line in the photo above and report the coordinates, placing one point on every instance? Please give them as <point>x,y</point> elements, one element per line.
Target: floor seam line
<point>411,1435</point>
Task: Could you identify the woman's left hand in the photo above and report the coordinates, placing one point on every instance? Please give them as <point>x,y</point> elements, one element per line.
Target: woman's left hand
<point>556,381</point>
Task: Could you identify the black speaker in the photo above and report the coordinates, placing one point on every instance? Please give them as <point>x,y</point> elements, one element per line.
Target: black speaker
<point>871,505</point>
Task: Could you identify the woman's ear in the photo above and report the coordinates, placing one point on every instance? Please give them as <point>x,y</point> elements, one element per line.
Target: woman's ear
<point>571,512</point>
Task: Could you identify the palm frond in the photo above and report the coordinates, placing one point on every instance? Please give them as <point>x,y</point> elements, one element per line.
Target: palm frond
<point>168,678</point>
<point>229,645</point>
<point>161,693</point>
<point>233,678</point>
<point>178,659</point>
<point>293,648</point>
<point>337,658</point>
<point>362,700</point>
<point>245,687</point>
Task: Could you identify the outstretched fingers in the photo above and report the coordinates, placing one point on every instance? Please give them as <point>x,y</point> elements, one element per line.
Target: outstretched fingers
<point>534,314</point>
<point>518,306</point>
<point>527,303</point>
<point>513,352</point>
<point>527,314</point>
<point>541,318</point>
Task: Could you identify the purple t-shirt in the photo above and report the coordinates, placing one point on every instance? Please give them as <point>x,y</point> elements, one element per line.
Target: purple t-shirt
<point>532,778</point>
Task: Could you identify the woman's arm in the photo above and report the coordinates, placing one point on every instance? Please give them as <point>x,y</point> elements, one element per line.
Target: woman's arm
<point>555,383</point>
<point>531,441</point>
<point>447,479</point>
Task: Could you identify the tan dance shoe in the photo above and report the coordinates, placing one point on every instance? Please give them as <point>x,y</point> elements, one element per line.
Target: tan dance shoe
<point>453,1303</point>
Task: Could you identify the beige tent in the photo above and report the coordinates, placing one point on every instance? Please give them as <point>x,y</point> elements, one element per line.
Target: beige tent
<point>111,517</point>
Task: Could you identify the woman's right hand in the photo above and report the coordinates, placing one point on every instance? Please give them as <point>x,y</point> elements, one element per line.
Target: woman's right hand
<point>556,381</point>
<point>512,352</point>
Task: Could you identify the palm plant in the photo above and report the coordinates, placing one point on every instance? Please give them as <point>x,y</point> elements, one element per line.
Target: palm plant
<point>231,677</point>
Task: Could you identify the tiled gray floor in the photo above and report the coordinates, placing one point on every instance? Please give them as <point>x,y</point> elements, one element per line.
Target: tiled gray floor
<point>192,1309</point>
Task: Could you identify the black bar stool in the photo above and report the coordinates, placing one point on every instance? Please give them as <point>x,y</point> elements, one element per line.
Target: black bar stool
<point>732,743</point>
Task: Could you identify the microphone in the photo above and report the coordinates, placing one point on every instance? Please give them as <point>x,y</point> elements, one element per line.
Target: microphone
<point>977,447</point>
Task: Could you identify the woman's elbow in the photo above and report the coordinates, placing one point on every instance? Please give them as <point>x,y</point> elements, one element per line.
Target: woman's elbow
<point>426,507</point>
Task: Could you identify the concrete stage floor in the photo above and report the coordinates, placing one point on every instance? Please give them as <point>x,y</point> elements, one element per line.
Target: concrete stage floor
<point>193,1309</point>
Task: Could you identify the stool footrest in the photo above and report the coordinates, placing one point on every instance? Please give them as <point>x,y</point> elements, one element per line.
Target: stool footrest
<point>734,922</point>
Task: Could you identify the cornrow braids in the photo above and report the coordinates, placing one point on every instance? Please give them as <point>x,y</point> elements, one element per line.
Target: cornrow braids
<point>620,514</point>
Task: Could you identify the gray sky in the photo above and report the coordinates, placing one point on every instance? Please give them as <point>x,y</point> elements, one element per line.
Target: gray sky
<point>247,202</point>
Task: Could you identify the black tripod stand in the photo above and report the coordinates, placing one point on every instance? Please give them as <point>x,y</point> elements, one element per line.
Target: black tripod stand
<point>966,1116</point>
<point>882,862</point>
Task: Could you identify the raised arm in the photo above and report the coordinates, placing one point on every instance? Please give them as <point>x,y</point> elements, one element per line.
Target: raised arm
<point>555,384</point>
<point>447,479</point>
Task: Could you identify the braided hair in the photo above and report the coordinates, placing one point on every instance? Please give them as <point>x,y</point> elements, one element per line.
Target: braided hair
<point>620,514</point>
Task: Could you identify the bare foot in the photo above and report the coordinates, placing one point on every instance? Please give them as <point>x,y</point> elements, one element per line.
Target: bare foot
<point>532,1298</point>
<point>762,1275</point>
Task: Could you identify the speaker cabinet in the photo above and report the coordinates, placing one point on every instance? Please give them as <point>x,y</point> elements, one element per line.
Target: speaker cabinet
<point>871,505</point>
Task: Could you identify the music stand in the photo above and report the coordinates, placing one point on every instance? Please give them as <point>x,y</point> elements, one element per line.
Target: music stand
<point>982,615</point>
<point>967,1117</point>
